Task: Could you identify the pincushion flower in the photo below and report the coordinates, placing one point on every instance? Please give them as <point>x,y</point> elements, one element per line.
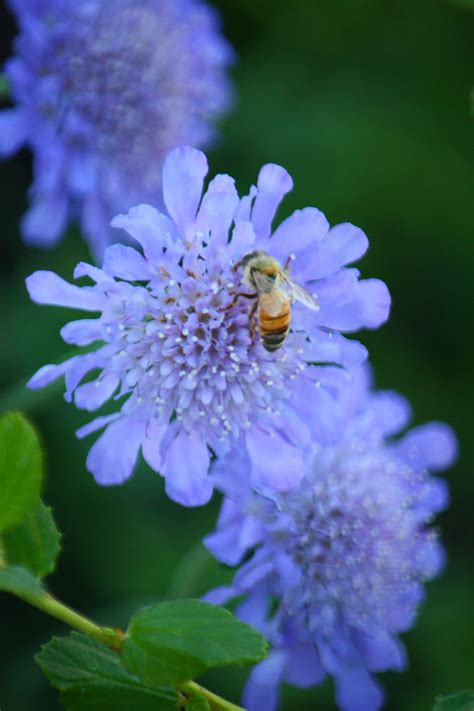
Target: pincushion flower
<point>177,346</point>
<point>343,557</point>
<point>102,90</point>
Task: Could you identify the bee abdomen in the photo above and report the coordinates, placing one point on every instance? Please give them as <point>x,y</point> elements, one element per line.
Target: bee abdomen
<point>273,340</point>
<point>274,329</point>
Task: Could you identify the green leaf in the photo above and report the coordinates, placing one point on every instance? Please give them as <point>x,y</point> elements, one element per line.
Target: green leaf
<point>198,703</point>
<point>20,469</point>
<point>175,641</point>
<point>34,544</point>
<point>461,701</point>
<point>21,582</point>
<point>91,676</point>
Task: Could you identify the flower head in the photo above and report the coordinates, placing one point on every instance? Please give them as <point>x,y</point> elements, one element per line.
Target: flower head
<point>343,556</point>
<point>102,91</point>
<point>177,343</point>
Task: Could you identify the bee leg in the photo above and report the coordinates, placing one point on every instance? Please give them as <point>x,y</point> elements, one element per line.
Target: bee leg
<point>252,325</point>
<point>236,297</point>
<point>237,265</point>
<point>286,266</point>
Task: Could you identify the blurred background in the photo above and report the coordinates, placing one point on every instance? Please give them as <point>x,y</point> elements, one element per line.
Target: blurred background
<point>366,103</point>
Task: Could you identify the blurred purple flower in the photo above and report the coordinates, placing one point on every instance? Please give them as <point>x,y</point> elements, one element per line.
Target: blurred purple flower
<point>343,557</point>
<point>178,346</point>
<point>102,91</point>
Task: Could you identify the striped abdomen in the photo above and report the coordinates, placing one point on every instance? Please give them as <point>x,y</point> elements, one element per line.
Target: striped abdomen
<point>274,329</point>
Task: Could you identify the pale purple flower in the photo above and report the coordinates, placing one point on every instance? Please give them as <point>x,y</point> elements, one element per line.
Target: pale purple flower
<point>102,90</point>
<point>175,346</point>
<point>343,557</point>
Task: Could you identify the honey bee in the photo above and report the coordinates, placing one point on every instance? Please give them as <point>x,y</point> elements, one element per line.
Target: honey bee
<point>275,291</point>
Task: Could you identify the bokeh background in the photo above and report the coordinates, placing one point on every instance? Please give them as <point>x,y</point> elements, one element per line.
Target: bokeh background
<point>367,104</point>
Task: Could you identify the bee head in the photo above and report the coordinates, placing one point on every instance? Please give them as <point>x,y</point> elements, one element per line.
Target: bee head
<point>249,257</point>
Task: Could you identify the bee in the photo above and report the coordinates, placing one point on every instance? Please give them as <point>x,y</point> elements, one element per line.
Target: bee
<point>275,291</point>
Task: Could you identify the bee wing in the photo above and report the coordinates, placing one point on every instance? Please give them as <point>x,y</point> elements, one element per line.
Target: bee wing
<point>297,292</point>
<point>270,298</point>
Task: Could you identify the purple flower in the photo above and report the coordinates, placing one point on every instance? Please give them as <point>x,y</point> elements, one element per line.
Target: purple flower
<point>343,557</point>
<point>177,347</point>
<point>103,89</point>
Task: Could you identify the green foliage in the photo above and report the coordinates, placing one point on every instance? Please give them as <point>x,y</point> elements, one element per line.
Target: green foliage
<point>20,469</point>
<point>461,701</point>
<point>21,582</point>
<point>172,642</point>
<point>4,87</point>
<point>34,544</point>
<point>91,676</point>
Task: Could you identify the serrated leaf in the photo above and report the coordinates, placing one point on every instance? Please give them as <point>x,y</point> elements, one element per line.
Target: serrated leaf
<point>21,582</point>
<point>90,676</point>
<point>20,469</point>
<point>461,701</point>
<point>198,703</point>
<point>175,641</point>
<point>34,544</point>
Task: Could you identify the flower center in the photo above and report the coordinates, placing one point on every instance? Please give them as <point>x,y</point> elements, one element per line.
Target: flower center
<point>353,550</point>
<point>190,349</point>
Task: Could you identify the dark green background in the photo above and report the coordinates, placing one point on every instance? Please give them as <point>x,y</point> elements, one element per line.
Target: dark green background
<point>367,105</point>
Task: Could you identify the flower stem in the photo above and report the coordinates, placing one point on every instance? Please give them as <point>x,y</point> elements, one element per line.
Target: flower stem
<point>217,703</point>
<point>108,636</point>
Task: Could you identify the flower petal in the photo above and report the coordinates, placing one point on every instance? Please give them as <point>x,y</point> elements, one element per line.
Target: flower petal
<point>125,263</point>
<point>432,446</point>
<point>45,221</point>
<point>356,690</point>
<point>48,288</point>
<point>242,242</point>
<point>218,207</point>
<point>231,541</point>
<point>262,689</point>
<point>84,269</point>
<point>93,394</point>
<point>332,347</point>
<point>342,245</point>
<point>185,467</point>
<point>151,446</point>
<point>112,457</point>
<point>82,332</point>
<point>348,304</point>
<point>391,412</point>
<point>220,595</point>
<point>381,652</point>
<point>301,232</point>
<point>231,473</point>
<point>97,424</point>
<point>273,184</point>
<point>303,666</point>
<point>184,171</point>
<point>14,127</point>
<point>275,463</point>
<point>47,374</point>
<point>153,230</point>
<point>254,607</point>
<point>322,411</point>
<point>95,223</point>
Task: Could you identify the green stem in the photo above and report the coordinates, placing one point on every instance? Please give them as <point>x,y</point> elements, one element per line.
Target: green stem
<point>217,703</point>
<point>108,636</point>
